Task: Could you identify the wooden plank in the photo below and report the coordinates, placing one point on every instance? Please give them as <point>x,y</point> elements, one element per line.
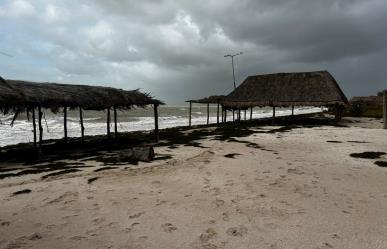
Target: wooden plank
<point>34,126</point>
<point>217,115</point>
<point>40,115</point>
<point>222,114</point>
<point>115,122</point>
<point>108,122</point>
<point>155,106</point>
<point>81,122</point>
<point>65,123</point>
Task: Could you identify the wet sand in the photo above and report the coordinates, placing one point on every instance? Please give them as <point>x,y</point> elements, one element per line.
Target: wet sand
<point>272,188</point>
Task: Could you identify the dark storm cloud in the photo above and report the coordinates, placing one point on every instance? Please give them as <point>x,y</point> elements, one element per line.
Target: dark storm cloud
<point>175,48</point>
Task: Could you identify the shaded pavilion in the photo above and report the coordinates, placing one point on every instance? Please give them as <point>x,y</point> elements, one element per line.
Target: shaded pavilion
<point>288,90</point>
<point>214,99</point>
<point>23,96</point>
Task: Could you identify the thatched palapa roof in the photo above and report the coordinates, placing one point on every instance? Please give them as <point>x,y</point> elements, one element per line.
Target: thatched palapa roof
<point>287,89</point>
<point>16,95</point>
<point>214,99</point>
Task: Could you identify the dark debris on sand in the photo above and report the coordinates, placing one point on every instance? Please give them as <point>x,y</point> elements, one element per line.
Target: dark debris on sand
<point>91,180</point>
<point>368,155</point>
<point>382,164</point>
<point>232,155</point>
<point>24,191</point>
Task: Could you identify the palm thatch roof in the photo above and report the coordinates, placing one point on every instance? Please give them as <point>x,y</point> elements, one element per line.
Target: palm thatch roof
<point>214,99</point>
<point>287,89</point>
<point>16,96</point>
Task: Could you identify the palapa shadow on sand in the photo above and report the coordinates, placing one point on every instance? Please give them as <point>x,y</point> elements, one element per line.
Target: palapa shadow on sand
<point>104,150</point>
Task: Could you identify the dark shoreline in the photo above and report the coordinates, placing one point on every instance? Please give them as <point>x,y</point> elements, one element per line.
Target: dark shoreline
<point>76,149</point>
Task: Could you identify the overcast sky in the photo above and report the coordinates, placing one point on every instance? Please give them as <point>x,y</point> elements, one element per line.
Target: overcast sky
<point>174,49</point>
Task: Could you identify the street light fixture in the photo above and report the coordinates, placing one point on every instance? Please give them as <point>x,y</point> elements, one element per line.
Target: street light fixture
<point>232,63</point>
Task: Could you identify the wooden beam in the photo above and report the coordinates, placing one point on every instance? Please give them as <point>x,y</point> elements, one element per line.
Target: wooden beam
<point>155,106</point>
<point>217,115</point>
<point>233,115</point>
<point>208,114</point>
<point>190,114</point>
<point>40,115</point>
<point>225,114</point>
<point>34,126</point>
<point>222,114</point>
<point>245,114</point>
<point>385,109</point>
<point>292,110</point>
<point>65,123</point>
<point>251,113</point>
<point>115,122</point>
<point>81,122</point>
<point>239,114</point>
<point>108,122</point>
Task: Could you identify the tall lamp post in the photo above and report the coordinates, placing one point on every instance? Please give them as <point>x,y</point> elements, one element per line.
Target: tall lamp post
<point>232,63</point>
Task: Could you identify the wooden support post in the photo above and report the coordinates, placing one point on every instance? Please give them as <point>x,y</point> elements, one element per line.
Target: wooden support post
<point>115,122</point>
<point>225,114</point>
<point>81,122</point>
<point>108,122</point>
<point>208,114</point>
<point>65,123</point>
<point>34,126</point>
<point>233,115</point>
<point>245,114</point>
<point>222,114</point>
<point>40,115</point>
<point>190,114</point>
<point>156,122</point>
<point>217,115</point>
<point>239,114</point>
<point>273,120</point>
<point>385,109</point>
<point>292,110</point>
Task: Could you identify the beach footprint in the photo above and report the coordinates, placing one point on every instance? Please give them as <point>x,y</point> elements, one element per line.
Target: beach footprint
<point>168,227</point>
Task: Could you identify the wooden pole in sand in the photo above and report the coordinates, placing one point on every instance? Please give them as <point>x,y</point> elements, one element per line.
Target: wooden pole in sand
<point>292,110</point>
<point>225,114</point>
<point>385,108</point>
<point>108,122</point>
<point>34,126</point>
<point>217,115</point>
<point>245,114</point>
<point>233,115</point>
<point>251,113</point>
<point>190,114</point>
<point>81,122</point>
<point>239,115</point>
<point>156,122</point>
<point>273,120</point>
<point>65,123</point>
<point>222,114</point>
<point>40,115</point>
<point>208,113</point>
<point>115,121</point>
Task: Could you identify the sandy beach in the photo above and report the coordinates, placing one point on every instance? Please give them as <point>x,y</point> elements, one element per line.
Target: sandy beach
<point>274,188</point>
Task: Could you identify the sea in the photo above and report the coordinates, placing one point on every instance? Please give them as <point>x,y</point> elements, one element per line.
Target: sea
<point>129,120</point>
